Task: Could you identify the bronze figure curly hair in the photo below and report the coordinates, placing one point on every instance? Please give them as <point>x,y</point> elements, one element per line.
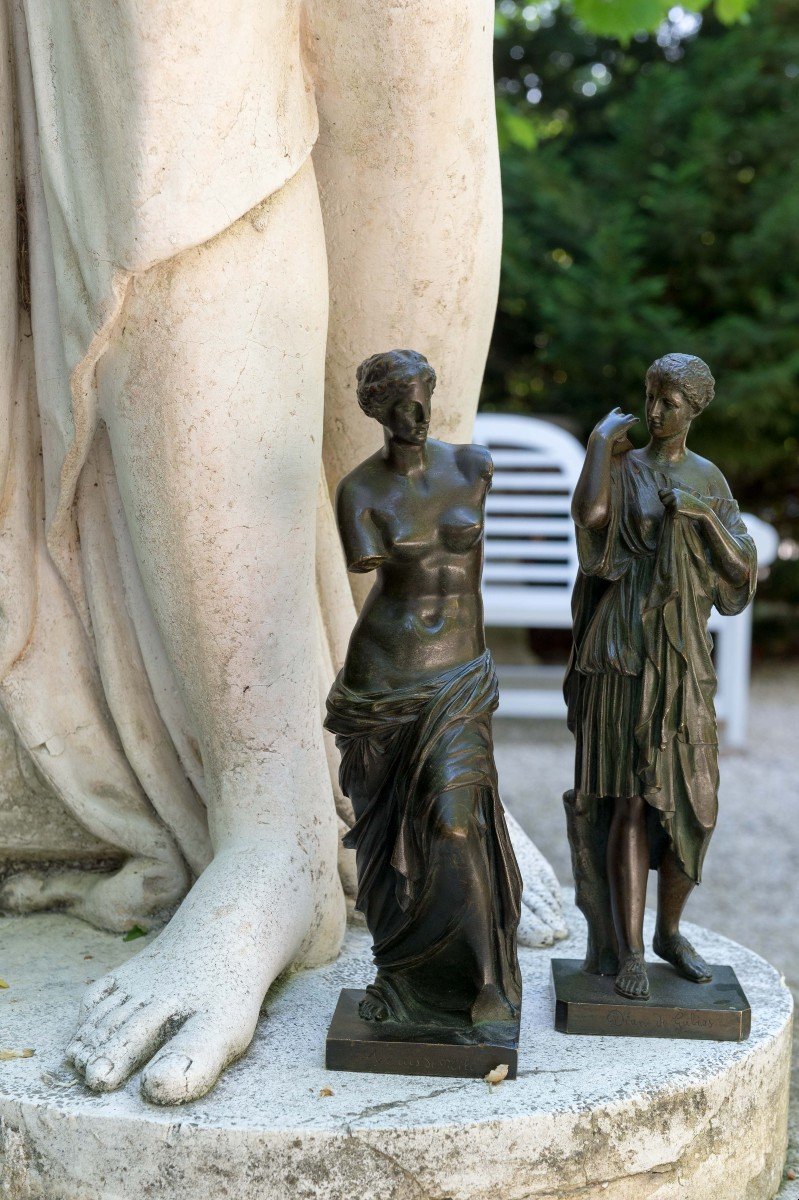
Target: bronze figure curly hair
<point>689,374</point>
<point>382,375</point>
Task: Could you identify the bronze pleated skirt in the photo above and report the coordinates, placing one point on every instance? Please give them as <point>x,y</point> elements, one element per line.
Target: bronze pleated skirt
<point>607,753</point>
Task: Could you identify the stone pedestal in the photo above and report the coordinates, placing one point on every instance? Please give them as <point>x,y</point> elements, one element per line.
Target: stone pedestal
<point>588,1118</point>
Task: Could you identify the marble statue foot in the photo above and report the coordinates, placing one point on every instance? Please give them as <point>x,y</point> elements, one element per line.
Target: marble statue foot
<point>678,951</point>
<point>114,901</point>
<point>187,1005</point>
<point>632,980</point>
<point>542,921</point>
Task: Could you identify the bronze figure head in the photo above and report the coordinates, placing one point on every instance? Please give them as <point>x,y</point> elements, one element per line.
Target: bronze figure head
<point>678,388</point>
<point>395,388</point>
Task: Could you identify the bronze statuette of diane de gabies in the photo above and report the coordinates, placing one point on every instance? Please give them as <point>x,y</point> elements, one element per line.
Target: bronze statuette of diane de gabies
<point>438,882</point>
<point>660,542</point>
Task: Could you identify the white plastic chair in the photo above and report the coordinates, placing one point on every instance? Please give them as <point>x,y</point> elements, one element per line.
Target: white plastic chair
<point>531,560</point>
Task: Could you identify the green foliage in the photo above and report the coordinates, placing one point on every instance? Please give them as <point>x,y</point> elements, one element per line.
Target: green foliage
<point>622,19</point>
<point>730,11</point>
<point>654,206</point>
<point>133,933</point>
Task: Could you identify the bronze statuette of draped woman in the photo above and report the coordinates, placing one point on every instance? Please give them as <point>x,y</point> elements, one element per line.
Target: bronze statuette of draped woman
<point>411,710</point>
<point>660,542</point>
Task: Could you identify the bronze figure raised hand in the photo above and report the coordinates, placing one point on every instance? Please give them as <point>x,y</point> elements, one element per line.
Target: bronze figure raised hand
<point>411,710</point>
<point>660,542</point>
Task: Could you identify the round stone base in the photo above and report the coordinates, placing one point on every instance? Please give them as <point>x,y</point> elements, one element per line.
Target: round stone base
<point>588,1118</point>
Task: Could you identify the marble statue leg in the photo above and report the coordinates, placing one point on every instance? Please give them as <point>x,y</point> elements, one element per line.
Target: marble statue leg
<point>212,395</point>
<point>408,173</point>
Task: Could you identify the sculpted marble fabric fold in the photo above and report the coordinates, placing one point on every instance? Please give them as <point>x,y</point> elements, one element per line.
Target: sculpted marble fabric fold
<point>120,176</point>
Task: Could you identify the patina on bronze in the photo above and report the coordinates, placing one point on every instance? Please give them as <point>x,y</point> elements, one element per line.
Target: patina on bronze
<point>660,542</point>
<point>411,710</point>
<point>590,1004</point>
<point>354,1044</point>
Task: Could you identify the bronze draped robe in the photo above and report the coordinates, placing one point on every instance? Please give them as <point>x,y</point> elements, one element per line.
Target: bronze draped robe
<point>436,868</point>
<point>640,684</point>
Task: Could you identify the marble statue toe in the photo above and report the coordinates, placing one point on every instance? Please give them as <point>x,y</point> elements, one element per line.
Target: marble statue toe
<point>542,921</point>
<point>186,1005</point>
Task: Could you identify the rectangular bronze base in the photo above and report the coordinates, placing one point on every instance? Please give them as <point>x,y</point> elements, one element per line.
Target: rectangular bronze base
<point>717,1011</point>
<point>391,1049</point>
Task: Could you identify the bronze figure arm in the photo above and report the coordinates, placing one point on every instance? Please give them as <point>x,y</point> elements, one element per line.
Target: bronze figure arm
<point>729,559</point>
<point>591,499</point>
<point>363,545</point>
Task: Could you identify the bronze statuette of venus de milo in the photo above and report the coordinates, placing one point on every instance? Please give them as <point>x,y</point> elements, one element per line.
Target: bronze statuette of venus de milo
<point>438,882</point>
<point>660,542</point>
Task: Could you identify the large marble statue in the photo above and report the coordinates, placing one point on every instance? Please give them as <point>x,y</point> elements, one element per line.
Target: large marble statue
<point>184,294</point>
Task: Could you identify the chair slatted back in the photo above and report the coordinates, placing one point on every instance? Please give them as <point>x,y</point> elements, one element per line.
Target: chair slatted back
<point>530,543</point>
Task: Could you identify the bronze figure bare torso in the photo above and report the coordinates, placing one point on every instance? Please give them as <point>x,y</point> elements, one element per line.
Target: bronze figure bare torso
<point>419,525</point>
<point>411,710</point>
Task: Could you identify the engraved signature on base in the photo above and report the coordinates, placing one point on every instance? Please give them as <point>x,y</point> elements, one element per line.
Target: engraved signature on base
<point>628,1018</point>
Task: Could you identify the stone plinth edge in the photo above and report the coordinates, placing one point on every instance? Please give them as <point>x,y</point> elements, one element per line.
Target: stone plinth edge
<point>588,1118</point>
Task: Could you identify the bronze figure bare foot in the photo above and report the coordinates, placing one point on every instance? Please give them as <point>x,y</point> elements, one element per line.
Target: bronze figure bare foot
<point>632,980</point>
<point>373,1007</point>
<point>678,951</point>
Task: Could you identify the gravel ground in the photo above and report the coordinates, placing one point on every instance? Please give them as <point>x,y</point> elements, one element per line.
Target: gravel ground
<point>750,890</point>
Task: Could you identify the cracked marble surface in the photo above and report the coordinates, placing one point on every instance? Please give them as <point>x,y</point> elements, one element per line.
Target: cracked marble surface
<point>588,1117</point>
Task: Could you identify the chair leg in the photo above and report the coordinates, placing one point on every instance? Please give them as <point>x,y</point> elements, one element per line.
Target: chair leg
<point>733,670</point>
